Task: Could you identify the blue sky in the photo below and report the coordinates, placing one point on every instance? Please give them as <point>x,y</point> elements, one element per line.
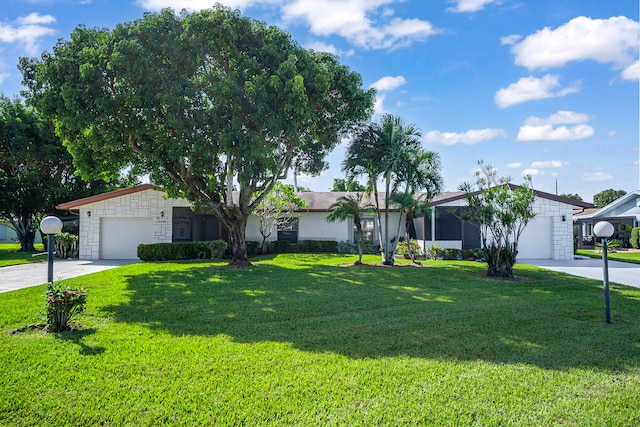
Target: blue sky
<point>541,87</point>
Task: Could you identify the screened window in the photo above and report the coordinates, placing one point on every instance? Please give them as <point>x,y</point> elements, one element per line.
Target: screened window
<point>368,230</point>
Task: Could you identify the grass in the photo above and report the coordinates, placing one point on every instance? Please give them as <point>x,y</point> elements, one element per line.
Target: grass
<point>625,256</point>
<point>10,255</point>
<point>301,340</point>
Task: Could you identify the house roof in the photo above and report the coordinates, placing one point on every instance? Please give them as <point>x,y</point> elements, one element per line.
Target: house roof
<point>451,197</point>
<point>74,204</point>
<point>624,207</point>
<point>318,201</point>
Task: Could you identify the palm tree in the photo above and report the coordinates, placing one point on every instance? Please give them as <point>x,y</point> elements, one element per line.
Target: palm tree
<point>379,151</point>
<point>350,207</point>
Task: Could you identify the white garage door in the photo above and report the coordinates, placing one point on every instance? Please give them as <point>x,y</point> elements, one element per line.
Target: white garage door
<point>536,241</point>
<point>120,237</point>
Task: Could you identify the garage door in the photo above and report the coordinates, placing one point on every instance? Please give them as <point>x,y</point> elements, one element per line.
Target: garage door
<point>536,241</point>
<point>120,237</point>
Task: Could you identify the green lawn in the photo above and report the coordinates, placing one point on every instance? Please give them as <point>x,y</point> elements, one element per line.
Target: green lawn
<point>302,340</point>
<point>626,256</point>
<point>10,255</point>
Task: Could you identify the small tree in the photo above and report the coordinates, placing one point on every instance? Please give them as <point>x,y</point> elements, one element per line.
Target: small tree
<point>277,207</point>
<point>502,211</point>
<point>351,207</point>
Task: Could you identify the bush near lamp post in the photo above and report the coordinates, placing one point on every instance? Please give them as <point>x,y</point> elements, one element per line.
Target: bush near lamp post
<point>62,304</point>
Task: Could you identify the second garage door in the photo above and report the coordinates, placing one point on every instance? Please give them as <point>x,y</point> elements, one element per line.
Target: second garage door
<point>120,237</point>
<point>536,241</point>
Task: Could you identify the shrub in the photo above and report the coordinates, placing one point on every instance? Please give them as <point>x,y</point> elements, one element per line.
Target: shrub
<point>282,247</point>
<point>66,245</point>
<point>435,252</point>
<point>63,303</point>
<point>252,247</point>
<point>451,254</point>
<point>320,246</point>
<point>180,250</point>
<point>403,248</point>
<point>635,238</point>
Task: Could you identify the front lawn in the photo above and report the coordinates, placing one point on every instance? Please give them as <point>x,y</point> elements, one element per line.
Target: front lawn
<point>302,340</point>
<point>10,254</point>
<point>625,256</point>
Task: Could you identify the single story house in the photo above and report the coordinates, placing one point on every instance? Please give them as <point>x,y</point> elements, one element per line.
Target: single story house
<point>113,224</point>
<point>621,213</point>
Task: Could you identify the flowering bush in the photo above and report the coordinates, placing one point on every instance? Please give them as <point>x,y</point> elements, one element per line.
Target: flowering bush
<point>61,304</point>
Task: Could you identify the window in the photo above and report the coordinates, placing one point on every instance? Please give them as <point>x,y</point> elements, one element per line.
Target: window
<point>288,230</point>
<point>368,230</point>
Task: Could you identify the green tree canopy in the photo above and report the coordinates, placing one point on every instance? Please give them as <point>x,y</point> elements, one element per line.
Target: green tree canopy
<point>605,197</point>
<point>36,171</point>
<point>574,196</point>
<point>340,185</point>
<point>204,102</point>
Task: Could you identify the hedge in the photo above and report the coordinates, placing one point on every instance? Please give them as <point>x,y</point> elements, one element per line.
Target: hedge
<point>181,250</point>
<point>635,238</point>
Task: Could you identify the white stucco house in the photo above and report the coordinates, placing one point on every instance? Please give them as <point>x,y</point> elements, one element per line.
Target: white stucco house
<point>621,213</point>
<point>113,224</point>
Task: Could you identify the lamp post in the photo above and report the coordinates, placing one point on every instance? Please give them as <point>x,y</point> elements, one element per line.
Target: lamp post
<point>604,230</point>
<point>50,225</point>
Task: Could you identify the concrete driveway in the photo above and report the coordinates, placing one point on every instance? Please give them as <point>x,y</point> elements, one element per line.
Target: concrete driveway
<point>26,275</point>
<point>623,273</point>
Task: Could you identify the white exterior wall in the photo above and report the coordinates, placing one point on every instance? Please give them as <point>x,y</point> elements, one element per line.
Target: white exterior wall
<point>144,204</point>
<point>562,233</point>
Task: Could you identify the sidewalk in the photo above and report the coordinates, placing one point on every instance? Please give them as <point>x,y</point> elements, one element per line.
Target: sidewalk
<point>623,273</point>
<point>26,275</point>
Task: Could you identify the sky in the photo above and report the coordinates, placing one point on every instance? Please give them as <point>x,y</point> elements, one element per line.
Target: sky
<point>547,88</point>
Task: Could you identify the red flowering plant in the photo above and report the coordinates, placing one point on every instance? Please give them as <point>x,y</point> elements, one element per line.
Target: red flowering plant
<point>61,304</point>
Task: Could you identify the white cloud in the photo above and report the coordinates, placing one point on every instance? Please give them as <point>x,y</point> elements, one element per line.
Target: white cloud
<point>515,165</point>
<point>548,164</point>
<point>596,176</point>
<point>531,89</point>
<point>613,40</point>
<point>355,20</point>
<point>561,117</point>
<point>323,47</point>
<point>550,133</point>
<point>532,172</point>
<point>470,5</point>
<point>546,129</point>
<point>178,5</point>
<point>389,83</point>
<point>26,31</point>
<point>3,76</point>
<point>469,137</point>
<point>378,104</point>
<point>632,72</point>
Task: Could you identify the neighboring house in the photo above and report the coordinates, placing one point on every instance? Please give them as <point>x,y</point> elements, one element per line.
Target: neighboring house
<point>113,224</point>
<point>621,213</point>
<point>7,234</point>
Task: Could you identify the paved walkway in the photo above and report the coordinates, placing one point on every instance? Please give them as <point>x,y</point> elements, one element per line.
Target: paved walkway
<point>623,273</point>
<point>26,275</point>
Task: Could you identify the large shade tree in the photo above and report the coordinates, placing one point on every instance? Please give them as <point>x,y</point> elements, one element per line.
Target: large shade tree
<point>36,171</point>
<point>205,102</point>
<point>605,197</point>
<point>390,150</point>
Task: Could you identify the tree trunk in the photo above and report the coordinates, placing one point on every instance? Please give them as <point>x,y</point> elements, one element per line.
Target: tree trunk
<point>24,232</point>
<point>360,237</point>
<point>388,257</point>
<point>237,243</point>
